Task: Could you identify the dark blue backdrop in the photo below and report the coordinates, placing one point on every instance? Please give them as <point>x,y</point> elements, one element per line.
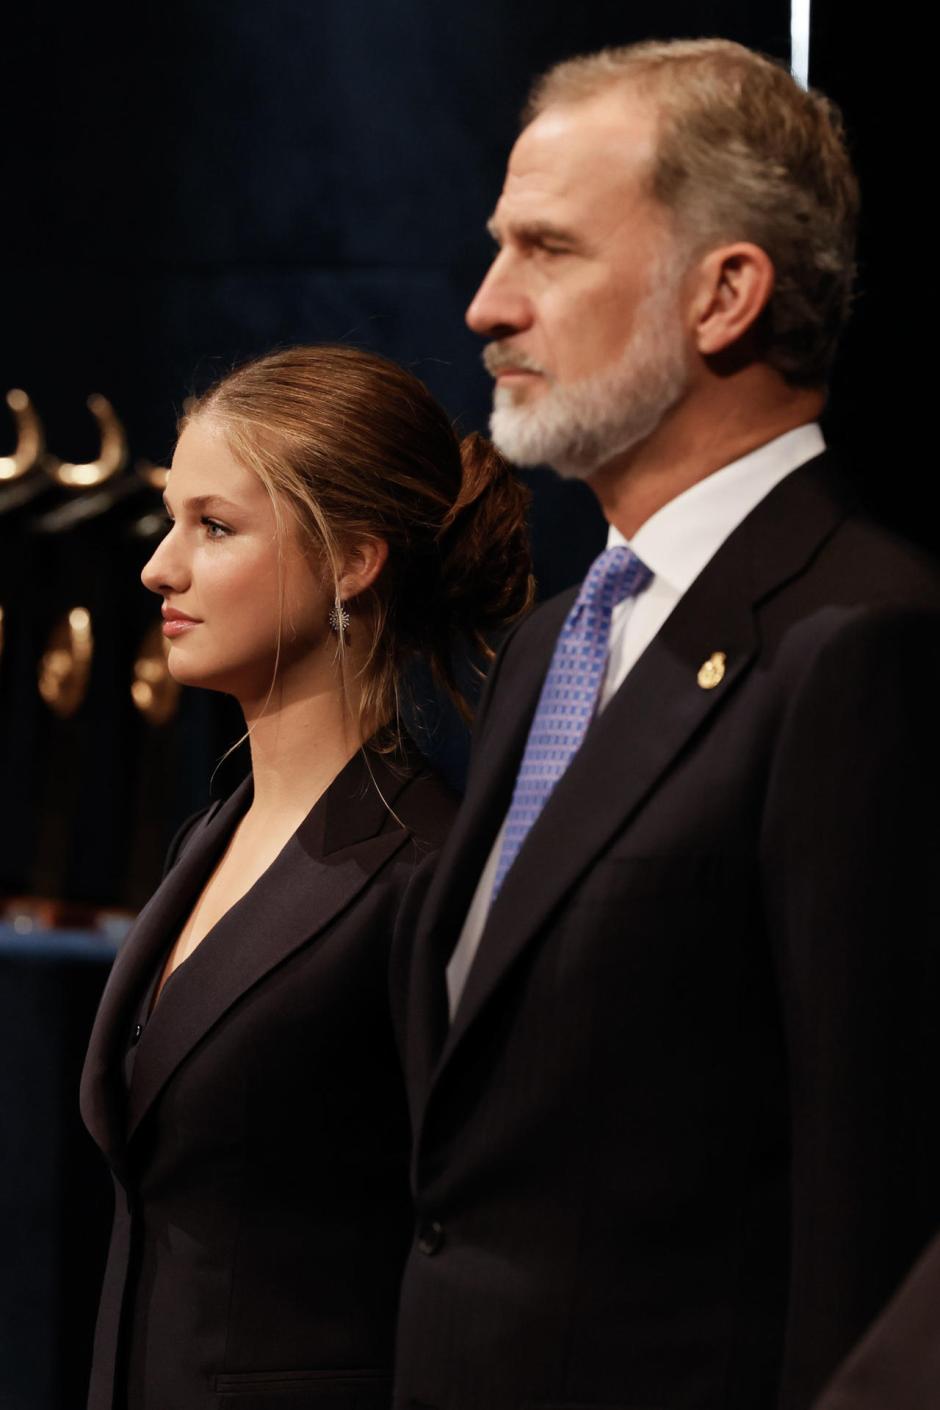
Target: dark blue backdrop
<point>196,182</point>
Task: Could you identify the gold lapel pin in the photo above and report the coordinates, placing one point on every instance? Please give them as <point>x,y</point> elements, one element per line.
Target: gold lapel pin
<point>712,671</point>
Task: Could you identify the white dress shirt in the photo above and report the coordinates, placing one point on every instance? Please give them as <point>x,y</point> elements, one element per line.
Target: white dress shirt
<point>675,543</point>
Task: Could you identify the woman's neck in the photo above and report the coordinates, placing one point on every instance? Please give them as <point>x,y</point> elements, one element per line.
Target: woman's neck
<point>299,743</point>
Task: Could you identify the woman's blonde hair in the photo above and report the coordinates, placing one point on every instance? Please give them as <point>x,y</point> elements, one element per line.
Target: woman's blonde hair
<point>355,447</point>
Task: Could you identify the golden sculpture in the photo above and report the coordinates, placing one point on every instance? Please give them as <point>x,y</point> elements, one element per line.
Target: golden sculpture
<point>153,690</point>
<point>111,458</point>
<point>65,666</point>
<point>30,441</point>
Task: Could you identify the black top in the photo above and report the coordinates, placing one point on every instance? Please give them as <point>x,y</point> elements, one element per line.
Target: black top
<point>255,1120</point>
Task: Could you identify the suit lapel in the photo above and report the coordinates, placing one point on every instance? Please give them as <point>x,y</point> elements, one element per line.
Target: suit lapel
<point>625,752</point>
<point>653,717</point>
<point>340,846</point>
<point>103,1098</point>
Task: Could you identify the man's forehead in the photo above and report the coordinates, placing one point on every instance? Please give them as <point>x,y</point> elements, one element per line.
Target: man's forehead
<point>575,152</point>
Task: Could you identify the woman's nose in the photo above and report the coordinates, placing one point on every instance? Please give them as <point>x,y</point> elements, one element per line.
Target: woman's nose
<point>165,572</point>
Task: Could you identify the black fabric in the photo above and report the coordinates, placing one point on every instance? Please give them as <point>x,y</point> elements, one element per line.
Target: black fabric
<point>679,1145</point>
<point>257,1127</point>
<point>897,1363</point>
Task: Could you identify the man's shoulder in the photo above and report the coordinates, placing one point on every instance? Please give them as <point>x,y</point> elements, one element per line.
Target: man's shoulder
<point>861,552</point>
<point>863,571</point>
<point>864,599</point>
<point>810,544</point>
<point>883,567</point>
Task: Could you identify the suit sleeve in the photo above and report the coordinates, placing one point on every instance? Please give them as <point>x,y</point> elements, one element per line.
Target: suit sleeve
<point>402,949</point>
<point>851,860</point>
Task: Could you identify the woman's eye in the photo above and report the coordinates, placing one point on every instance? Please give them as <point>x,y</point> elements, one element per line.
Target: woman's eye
<point>215,530</point>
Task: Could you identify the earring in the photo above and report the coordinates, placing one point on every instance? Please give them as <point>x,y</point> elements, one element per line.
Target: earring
<point>339,619</point>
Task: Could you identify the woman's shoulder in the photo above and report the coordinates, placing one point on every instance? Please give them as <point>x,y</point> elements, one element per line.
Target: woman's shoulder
<point>424,802</point>
<point>232,802</point>
<point>183,834</point>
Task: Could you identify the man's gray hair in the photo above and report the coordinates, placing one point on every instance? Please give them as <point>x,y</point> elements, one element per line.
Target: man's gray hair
<point>743,153</point>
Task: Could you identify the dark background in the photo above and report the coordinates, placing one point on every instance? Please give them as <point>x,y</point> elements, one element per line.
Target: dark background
<point>196,183</point>
<point>192,183</point>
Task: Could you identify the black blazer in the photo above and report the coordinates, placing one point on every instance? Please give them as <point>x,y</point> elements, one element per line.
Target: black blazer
<point>897,1364</point>
<point>681,1141</point>
<point>257,1126</point>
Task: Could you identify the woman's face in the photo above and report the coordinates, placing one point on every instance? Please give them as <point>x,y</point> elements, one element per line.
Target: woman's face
<point>228,591</point>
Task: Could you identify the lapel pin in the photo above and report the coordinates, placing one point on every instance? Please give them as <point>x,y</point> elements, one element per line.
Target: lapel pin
<point>712,671</point>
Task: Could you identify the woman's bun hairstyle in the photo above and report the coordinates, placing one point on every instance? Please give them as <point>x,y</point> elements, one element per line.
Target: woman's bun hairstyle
<point>484,545</point>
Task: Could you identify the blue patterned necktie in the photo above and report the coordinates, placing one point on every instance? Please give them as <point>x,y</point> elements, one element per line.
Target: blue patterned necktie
<point>569,693</point>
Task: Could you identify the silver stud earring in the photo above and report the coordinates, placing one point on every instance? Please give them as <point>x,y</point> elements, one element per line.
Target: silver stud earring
<point>339,619</point>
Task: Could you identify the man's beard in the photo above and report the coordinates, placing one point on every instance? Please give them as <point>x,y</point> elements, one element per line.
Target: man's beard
<point>581,426</point>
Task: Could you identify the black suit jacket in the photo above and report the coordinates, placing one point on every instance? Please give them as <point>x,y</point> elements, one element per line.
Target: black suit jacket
<point>897,1364</point>
<point>680,1140</point>
<point>257,1127</point>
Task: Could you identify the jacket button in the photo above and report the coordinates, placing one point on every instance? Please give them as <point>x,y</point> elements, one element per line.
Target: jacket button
<point>138,1032</point>
<point>430,1237</point>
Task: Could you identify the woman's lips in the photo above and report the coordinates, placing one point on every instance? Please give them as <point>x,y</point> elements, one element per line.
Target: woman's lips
<point>176,623</point>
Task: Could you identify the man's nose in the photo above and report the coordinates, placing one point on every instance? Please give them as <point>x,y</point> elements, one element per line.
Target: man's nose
<point>500,306</point>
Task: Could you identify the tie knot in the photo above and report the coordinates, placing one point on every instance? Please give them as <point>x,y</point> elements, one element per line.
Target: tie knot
<point>615,574</point>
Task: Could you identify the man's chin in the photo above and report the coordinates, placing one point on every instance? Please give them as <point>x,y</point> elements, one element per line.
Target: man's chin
<point>522,439</point>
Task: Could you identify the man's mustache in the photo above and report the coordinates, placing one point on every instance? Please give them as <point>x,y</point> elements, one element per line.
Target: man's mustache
<point>498,358</point>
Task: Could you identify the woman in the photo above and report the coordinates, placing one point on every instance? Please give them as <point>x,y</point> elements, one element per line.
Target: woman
<point>241,1077</point>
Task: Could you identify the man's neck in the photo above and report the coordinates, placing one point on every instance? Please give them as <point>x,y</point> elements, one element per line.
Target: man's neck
<point>690,445</point>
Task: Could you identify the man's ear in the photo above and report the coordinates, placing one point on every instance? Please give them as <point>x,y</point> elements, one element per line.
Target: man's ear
<point>733,287</point>
<point>363,561</point>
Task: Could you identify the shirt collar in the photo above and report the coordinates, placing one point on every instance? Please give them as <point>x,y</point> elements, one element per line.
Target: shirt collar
<point>678,540</point>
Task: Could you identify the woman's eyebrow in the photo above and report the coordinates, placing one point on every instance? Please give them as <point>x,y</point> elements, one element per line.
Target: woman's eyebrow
<point>205,501</point>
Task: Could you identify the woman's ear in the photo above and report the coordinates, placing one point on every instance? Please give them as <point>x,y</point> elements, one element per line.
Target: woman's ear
<point>362,563</point>
<point>734,285</point>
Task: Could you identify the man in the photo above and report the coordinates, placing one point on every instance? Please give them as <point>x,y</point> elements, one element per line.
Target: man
<point>897,1364</point>
<point>668,1012</point>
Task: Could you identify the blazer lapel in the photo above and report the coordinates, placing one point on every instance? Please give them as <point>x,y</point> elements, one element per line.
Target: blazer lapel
<point>339,847</point>
<point>103,1097</point>
<point>655,714</point>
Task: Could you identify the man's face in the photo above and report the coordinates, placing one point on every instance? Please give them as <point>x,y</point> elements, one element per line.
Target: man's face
<point>581,304</point>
